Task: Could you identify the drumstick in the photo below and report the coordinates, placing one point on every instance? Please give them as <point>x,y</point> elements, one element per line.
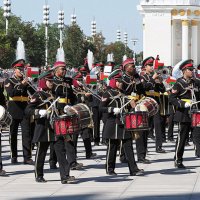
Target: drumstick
<point>125,105</point>
<point>54,102</point>
<point>195,103</point>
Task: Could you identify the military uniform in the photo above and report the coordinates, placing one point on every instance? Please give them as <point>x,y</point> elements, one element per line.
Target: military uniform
<point>18,100</point>
<point>114,131</point>
<point>44,136</point>
<point>153,90</point>
<point>132,84</point>
<point>63,88</point>
<point>181,95</point>
<point>85,133</point>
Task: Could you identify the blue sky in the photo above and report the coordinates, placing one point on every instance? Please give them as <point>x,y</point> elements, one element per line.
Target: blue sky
<point>110,15</point>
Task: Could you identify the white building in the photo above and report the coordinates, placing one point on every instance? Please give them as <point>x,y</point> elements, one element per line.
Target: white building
<point>171,29</point>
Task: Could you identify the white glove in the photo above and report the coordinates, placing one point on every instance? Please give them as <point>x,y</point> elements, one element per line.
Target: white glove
<point>187,105</point>
<point>42,113</point>
<point>66,108</point>
<point>116,111</point>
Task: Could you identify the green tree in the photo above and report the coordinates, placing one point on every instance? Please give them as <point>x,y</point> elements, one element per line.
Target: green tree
<point>119,50</point>
<point>74,45</point>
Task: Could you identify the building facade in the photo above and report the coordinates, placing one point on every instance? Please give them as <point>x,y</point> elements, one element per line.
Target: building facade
<point>171,29</point>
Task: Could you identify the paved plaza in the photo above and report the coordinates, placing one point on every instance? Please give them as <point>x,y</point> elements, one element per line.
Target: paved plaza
<point>160,182</point>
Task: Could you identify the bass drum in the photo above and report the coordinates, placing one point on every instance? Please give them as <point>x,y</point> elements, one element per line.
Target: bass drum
<point>148,105</point>
<point>84,114</point>
<point>5,118</point>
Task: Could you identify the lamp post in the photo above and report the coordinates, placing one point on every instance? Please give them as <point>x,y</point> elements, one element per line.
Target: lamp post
<point>134,43</point>
<point>73,19</point>
<point>93,29</point>
<point>7,12</point>
<point>61,25</point>
<point>118,35</point>
<point>46,23</point>
<point>125,39</point>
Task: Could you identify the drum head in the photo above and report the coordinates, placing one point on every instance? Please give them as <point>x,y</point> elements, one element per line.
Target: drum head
<point>2,112</point>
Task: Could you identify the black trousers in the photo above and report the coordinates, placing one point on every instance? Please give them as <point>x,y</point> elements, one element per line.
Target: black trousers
<point>158,129</point>
<point>170,134</point>
<point>1,165</point>
<point>196,140</point>
<point>163,120</point>
<point>181,139</point>
<point>52,155</point>
<point>96,120</point>
<point>141,145</point>
<point>60,153</point>
<point>86,135</point>
<point>26,137</point>
<point>112,153</point>
<point>70,151</point>
<point>151,126</point>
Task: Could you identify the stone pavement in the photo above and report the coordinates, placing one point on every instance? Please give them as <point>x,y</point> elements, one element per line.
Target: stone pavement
<point>160,182</point>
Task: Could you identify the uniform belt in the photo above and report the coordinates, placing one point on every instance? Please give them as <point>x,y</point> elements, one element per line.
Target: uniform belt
<point>137,97</point>
<point>64,100</point>
<point>187,100</point>
<point>156,94</point>
<point>18,98</point>
<point>166,94</point>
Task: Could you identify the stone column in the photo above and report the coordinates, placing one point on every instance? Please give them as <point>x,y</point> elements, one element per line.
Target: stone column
<point>185,39</point>
<point>194,48</point>
<point>173,44</point>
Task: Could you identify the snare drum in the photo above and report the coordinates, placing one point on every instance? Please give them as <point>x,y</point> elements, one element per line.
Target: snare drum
<point>148,105</point>
<point>83,113</point>
<point>136,121</point>
<point>5,118</point>
<point>196,119</point>
<point>66,124</point>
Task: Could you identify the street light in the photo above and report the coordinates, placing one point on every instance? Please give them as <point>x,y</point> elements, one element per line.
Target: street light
<point>73,18</point>
<point>61,25</point>
<point>118,35</point>
<point>125,39</point>
<point>93,29</point>
<point>135,40</point>
<point>46,23</point>
<point>7,12</point>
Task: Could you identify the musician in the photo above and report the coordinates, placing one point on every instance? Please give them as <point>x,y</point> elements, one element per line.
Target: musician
<point>182,97</point>
<point>86,133</point>
<point>114,129</point>
<point>131,85</point>
<point>154,87</point>
<point>94,103</point>
<point>17,88</point>
<point>44,134</point>
<point>62,87</point>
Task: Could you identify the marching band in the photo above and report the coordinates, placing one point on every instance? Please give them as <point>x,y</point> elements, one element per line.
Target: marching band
<point>132,106</point>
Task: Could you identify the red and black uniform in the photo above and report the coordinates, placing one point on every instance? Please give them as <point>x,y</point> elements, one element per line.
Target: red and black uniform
<point>153,90</point>
<point>62,87</point>
<point>181,93</point>
<point>114,131</point>
<point>44,136</point>
<point>17,103</point>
